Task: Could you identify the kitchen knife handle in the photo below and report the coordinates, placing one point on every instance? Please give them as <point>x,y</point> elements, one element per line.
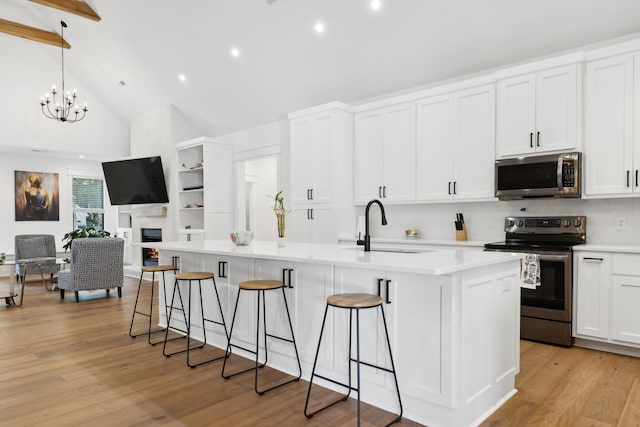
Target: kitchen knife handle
<point>379,285</point>
<point>388,301</point>
<point>538,139</point>
<point>531,139</point>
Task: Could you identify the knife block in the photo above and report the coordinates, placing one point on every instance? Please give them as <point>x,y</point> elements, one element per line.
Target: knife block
<point>462,234</point>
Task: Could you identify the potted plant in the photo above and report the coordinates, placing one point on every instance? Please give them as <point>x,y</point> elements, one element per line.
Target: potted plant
<point>81,233</point>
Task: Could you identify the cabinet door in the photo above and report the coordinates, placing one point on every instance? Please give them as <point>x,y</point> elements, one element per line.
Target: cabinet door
<point>236,270</point>
<point>434,140</point>
<point>302,160</point>
<point>314,224</point>
<point>593,284</point>
<point>474,143</point>
<point>372,345</point>
<point>516,116</point>
<point>625,316</point>
<point>399,154</point>
<point>323,158</point>
<point>368,157</point>
<point>608,125</point>
<point>556,109</point>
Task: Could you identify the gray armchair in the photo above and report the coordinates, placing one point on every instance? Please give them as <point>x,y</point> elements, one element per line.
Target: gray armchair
<point>29,246</point>
<point>96,263</point>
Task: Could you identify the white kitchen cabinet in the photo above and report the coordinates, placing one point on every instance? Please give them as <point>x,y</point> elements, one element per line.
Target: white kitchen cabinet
<point>625,298</point>
<point>307,287</point>
<point>592,294</point>
<point>455,146</point>
<point>205,183</point>
<point>612,104</point>
<point>321,141</point>
<point>312,224</point>
<point>385,154</point>
<point>538,112</point>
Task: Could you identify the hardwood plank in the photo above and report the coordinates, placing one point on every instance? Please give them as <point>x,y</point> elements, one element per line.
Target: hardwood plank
<point>31,33</point>
<point>631,411</point>
<point>76,7</point>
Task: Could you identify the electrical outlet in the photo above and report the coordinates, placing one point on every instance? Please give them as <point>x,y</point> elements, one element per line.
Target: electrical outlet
<point>620,223</point>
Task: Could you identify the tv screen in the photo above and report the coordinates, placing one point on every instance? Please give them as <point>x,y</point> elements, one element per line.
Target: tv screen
<point>135,181</point>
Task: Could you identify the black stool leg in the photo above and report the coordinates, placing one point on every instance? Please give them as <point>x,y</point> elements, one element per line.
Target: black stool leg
<point>166,335</point>
<point>393,368</point>
<point>135,307</point>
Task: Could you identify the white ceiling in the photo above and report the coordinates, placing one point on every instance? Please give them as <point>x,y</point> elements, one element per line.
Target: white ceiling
<point>285,66</point>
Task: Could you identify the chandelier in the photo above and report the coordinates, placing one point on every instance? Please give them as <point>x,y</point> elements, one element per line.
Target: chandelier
<point>50,106</point>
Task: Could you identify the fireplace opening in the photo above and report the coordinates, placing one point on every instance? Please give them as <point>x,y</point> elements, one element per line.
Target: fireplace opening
<point>150,255</point>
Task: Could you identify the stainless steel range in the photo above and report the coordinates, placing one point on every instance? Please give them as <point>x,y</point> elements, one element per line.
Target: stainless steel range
<point>546,310</point>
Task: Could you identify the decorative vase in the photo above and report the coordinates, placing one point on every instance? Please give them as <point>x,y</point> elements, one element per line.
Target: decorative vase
<point>281,238</point>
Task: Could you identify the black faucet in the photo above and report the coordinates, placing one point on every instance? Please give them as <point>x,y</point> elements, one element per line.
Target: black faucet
<point>367,238</point>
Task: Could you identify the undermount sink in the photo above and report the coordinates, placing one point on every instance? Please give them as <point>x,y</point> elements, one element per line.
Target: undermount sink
<point>395,250</point>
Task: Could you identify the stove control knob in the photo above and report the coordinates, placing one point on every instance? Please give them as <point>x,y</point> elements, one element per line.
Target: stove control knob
<point>511,223</point>
<point>577,223</point>
<point>520,223</point>
<point>566,222</point>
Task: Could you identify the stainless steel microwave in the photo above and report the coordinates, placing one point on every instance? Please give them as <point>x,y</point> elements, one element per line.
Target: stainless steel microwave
<point>555,175</point>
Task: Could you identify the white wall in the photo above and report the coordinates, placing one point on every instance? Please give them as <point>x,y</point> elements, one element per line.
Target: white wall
<point>263,172</point>
<point>9,227</point>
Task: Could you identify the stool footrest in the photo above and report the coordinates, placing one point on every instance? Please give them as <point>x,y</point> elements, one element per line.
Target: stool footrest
<point>371,366</point>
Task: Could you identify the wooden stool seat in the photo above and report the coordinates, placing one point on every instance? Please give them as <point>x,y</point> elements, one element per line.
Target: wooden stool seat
<point>194,275</point>
<point>152,268</point>
<point>261,285</point>
<point>354,300</point>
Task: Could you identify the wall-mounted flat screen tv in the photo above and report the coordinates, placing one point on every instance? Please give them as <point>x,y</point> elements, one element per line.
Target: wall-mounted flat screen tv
<point>135,181</point>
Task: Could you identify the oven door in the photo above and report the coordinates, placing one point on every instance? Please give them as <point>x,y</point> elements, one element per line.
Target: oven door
<point>552,299</point>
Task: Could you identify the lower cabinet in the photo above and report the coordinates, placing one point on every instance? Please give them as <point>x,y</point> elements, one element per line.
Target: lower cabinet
<point>607,288</point>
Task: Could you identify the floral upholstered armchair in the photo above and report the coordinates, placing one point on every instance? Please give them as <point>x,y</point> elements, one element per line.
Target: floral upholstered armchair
<point>96,263</point>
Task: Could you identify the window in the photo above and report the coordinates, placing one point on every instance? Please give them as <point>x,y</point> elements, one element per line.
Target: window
<point>88,203</point>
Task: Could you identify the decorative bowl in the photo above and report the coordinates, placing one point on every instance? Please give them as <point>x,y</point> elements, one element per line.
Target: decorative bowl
<point>241,238</point>
<point>411,232</point>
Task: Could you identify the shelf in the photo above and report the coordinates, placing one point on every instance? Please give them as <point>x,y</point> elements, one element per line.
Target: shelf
<point>192,209</point>
<point>191,231</point>
<point>193,190</point>
<point>198,169</point>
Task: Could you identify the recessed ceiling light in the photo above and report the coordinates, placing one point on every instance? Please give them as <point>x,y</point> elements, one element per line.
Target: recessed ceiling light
<point>375,4</point>
<point>81,156</point>
<point>235,52</point>
<point>182,77</point>
<point>319,27</point>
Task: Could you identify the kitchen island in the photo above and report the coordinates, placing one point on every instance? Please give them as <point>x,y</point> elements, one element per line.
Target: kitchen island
<point>453,318</point>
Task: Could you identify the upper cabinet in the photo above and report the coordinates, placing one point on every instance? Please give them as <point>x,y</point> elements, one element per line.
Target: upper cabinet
<point>612,126</point>
<point>315,139</point>
<point>205,181</point>
<point>385,154</point>
<point>321,162</point>
<point>455,145</point>
<point>538,112</point>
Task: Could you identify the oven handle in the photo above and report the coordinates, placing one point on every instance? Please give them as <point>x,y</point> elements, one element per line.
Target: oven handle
<point>544,257</point>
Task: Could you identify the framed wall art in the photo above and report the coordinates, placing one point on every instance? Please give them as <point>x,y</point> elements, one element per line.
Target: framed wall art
<point>37,196</point>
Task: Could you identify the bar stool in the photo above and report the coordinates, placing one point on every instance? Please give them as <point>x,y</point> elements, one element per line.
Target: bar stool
<point>353,302</point>
<point>189,277</point>
<point>152,269</point>
<point>261,286</point>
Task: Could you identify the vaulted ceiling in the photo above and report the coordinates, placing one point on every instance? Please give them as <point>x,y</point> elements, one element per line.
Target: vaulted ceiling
<point>132,57</point>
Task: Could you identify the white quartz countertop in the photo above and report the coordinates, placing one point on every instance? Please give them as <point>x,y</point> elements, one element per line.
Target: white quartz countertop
<point>419,241</point>
<point>632,249</point>
<point>436,262</point>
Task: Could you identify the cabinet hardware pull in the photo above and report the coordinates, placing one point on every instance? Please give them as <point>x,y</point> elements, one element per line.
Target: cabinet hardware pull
<point>384,191</point>
<point>175,262</point>
<point>454,187</point>
<point>311,192</point>
<point>311,213</point>
<point>379,191</point>
<point>449,191</point>
<point>308,215</point>
<point>531,139</point>
<point>221,266</point>
<point>379,285</point>
<point>636,177</point>
<point>588,258</point>
<point>289,275</point>
<point>284,277</point>
<point>538,139</point>
<point>628,173</point>
<point>387,291</point>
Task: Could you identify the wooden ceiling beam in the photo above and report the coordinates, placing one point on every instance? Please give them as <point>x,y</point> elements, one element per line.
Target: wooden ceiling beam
<point>31,33</point>
<point>77,7</point>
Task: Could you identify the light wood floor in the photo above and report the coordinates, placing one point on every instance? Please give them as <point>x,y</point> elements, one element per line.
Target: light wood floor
<point>74,365</point>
